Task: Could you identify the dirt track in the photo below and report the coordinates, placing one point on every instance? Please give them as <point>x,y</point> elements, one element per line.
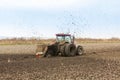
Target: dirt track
<point>101,62</point>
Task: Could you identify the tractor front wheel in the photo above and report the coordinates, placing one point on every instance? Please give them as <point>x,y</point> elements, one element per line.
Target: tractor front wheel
<point>79,50</point>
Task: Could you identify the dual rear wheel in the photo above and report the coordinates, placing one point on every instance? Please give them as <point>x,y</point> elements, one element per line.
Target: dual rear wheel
<point>72,50</point>
<point>65,50</point>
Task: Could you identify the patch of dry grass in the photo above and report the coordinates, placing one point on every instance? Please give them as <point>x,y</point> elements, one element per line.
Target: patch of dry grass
<point>90,40</point>
<point>22,41</point>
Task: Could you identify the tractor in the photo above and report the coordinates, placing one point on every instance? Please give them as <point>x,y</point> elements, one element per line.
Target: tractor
<point>63,46</point>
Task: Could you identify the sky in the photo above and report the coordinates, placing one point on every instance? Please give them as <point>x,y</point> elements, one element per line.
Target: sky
<point>45,18</point>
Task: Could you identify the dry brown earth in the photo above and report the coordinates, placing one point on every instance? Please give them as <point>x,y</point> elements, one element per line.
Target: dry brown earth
<point>101,62</point>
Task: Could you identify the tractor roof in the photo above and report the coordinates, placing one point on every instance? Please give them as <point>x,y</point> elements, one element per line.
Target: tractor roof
<point>62,34</point>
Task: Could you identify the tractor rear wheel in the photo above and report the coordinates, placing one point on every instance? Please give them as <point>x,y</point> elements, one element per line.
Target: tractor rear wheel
<point>70,50</point>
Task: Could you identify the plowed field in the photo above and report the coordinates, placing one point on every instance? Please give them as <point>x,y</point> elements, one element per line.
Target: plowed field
<point>100,62</point>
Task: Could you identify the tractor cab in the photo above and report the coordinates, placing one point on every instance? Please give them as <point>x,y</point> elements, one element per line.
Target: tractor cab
<point>64,38</point>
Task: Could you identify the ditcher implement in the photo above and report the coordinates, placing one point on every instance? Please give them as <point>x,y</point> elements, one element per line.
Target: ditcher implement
<point>63,46</point>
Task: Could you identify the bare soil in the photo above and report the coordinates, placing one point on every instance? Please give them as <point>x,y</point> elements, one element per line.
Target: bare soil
<point>100,62</point>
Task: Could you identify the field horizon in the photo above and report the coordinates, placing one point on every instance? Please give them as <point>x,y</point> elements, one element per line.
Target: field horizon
<point>31,41</point>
